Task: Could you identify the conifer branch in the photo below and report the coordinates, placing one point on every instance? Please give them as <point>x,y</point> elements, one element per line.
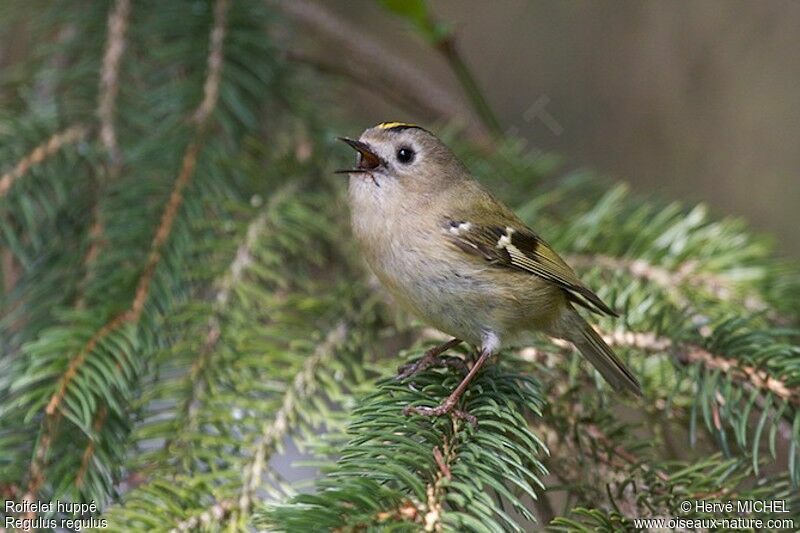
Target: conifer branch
<point>593,457</point>
<point>109,89</point>
<point>53,145</point>
<point>671,280</point>
<point>690,354</point>
<point>395,459</point>
<point>109,79</point>
<point>272,433</point>
<point>260,323</point>
<point>163,230</point>
<point>242,259</point>
<point>686,354</point>
<point>133,314</point>
<point>173,342</point>
<point>88,453</point>
<point>96,244</point>
<point>52,417</point>
<point>427,514</point>
<point>214,67</point>
<point>763,388</point>
<point>435,490</point>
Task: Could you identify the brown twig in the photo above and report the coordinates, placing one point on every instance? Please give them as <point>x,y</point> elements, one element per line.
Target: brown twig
<point>691,354</point>
<point>109,78</point>
<point>71,135</point>
<point>429,513</point>
<point>88,453</point>
<point>36,469</point>
<point>214,514</point>
<point>106,101</point>
<point>439,458</point>
<point>132,315</point>
<point>8,491</point>
<point>97,243</point>
<point>687,354</point>
<point>11,269</point>
<point>434,504</point>
<point>214,66</point>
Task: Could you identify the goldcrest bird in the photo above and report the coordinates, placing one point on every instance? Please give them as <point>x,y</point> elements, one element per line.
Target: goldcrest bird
<point>462,261</point>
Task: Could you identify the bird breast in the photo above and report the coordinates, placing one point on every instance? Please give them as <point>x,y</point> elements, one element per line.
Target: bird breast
<point>430,278</point>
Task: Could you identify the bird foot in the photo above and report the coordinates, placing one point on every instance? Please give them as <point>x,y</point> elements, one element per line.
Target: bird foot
<point>410,369</point>
<point>449,404</point>
<point>432,357</point>
<point>446,407</point>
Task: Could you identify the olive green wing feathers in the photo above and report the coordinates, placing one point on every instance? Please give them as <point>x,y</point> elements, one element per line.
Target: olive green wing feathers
<point>517,247</point>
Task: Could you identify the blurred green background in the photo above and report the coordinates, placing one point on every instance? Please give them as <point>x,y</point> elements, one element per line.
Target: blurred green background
<point>697,101</point>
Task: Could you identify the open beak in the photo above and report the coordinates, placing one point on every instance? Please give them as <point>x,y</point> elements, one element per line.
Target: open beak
<point>367,160</point>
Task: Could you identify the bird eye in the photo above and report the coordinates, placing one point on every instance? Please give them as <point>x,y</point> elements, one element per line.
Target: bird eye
<point>405,155</point>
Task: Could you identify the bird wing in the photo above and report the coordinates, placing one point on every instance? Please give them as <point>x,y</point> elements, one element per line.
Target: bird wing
<point>517,247</point>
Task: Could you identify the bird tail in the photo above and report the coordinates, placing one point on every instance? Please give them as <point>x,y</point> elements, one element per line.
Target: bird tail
<point>600,354</point>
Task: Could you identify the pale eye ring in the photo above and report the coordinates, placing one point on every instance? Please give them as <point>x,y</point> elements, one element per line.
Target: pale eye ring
<point>405,155</point>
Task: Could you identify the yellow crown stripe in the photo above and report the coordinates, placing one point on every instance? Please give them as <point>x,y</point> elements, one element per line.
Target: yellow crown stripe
<point>390,125</point>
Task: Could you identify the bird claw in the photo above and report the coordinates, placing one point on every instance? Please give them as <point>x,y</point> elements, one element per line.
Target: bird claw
<point>455,362</point>
<point>448,405</point>
<point>410,369</point>
<point>441,409</point>
<point>431,357</point>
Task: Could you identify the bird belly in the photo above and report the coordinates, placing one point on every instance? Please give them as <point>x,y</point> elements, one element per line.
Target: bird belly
<point>469,301</point>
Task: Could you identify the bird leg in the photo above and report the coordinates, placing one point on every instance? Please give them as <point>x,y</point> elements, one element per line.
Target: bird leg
<point>431,357</point>
<point>448,405</point>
